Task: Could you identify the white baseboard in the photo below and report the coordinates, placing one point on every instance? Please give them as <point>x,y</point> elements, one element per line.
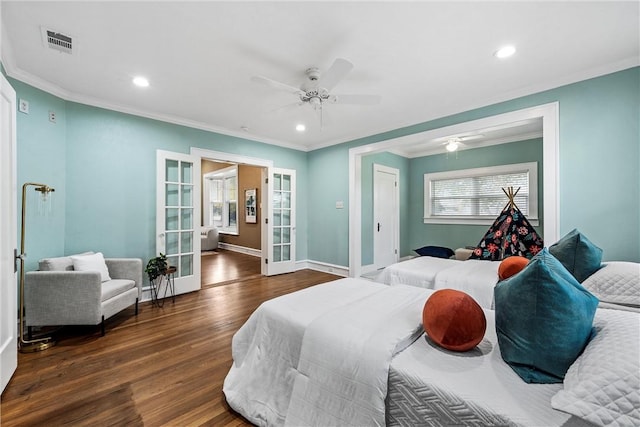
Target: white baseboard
<point>241,249</point>
<point>338,270</point>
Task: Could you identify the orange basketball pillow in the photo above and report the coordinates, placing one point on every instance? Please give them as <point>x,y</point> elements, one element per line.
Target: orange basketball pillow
<point>453,320</point>
<point>510,266</point>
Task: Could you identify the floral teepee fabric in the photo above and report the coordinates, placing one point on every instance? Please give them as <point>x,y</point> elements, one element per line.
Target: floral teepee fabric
<point>511,234</point>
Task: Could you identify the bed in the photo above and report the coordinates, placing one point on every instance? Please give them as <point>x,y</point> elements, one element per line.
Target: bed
<point>475,277</point>
<point>352,352</point>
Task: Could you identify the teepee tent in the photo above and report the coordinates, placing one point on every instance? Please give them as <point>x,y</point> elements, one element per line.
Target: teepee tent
<point>511,234</point>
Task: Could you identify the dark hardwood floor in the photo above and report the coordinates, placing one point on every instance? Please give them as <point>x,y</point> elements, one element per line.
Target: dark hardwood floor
<point>164,367</point>
<point>222,266</point>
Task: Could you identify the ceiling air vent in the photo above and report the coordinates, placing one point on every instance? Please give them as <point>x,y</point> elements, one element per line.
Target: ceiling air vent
<point>57,41</point>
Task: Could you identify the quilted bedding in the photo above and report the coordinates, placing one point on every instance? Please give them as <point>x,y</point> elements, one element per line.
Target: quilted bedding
<point>603,385</point>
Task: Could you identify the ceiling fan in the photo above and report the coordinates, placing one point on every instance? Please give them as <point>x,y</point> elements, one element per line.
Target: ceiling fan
<point>316,89</point>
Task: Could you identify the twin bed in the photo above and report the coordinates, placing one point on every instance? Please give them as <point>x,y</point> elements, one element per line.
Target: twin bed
<point>353,352</point>
<point>476,278</point>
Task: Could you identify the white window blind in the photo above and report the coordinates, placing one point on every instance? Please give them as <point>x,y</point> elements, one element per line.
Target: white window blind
<point>476,196</point>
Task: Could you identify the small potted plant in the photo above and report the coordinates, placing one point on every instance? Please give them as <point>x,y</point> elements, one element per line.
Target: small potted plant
<point>156,266</point>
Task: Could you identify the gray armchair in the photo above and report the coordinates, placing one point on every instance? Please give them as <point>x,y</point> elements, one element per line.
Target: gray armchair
<point>61,296</point>
<point>208,238</point>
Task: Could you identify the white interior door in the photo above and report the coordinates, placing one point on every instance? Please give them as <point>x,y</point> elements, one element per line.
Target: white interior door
<point>178,216</point>
<point>386,225</point>
<point>8,231</point>
<point>281,222</point>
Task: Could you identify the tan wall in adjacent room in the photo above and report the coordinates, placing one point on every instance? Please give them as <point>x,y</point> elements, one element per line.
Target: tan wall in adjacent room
<point>249,177</point>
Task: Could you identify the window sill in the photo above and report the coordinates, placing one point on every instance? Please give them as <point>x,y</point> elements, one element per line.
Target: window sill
<point>228,232</point>
<point>471,221</point>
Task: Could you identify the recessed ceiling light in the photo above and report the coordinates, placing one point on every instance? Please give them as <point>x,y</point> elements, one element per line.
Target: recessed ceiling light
<point>140,81</point>
<point>505,52</point>
<point>300,127</point>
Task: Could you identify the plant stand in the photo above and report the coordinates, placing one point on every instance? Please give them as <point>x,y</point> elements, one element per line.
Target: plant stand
<point>166,280</point>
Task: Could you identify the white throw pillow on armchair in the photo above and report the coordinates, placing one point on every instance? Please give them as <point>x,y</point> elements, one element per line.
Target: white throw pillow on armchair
<point>93,262</point>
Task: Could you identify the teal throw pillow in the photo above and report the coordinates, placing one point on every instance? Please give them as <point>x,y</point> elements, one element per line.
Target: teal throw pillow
<point>544,319</point>
<point>581,257</point>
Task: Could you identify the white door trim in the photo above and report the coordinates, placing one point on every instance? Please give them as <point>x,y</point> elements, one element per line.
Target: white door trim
<point>550,169</point>
<point>9,232</point>
<point>221,156</point>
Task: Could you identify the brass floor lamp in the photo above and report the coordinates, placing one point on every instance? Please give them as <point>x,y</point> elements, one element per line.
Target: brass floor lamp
<point>39,344</point>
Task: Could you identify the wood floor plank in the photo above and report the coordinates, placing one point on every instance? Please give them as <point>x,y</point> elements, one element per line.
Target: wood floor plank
<point>164,367</point>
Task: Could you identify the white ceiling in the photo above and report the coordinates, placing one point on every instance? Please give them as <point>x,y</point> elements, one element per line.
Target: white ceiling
<point>425,59</point>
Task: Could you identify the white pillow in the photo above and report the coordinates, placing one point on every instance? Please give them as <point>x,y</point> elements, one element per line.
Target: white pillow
<point>94,262</point>
<point>617,282</point>
<point>603,384</point>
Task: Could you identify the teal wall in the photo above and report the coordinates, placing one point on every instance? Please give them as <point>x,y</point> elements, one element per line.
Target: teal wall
<point>458,236</point>
<point>599,162</point>
<point>102,164</point>
<point>41,158</point>
<point>404,186</point>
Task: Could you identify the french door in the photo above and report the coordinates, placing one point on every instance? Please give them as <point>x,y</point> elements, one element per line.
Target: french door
<point>280,222</point>
<point>178,216</point>
<point>8,231</point>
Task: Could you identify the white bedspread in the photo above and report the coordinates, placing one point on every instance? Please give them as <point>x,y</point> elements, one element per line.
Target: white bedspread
<point>344,362</point>
<point>267,348</point>
<point>475,277</point>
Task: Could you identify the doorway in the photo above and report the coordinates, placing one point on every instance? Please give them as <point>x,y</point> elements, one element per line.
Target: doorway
<point>548,113</point>
<point>276,204</point>
<point>236,253</point>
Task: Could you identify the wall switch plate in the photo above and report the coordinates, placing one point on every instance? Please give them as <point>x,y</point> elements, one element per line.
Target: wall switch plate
<point>340,205</point>
<point>23,106</point>
<point>52,116</point>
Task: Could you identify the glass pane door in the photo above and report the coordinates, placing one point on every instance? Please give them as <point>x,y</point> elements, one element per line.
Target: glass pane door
<point>282,241</point>
<point>179,209</point>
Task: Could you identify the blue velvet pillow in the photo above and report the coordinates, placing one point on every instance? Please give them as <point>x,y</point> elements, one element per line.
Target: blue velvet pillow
<point>435,251</point>
<point>544,319</point>
<point>581,257</point>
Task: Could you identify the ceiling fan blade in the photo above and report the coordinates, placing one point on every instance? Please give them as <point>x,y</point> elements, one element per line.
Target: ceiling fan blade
<point>338,70</point>
<point>471,137</point>
<point>276,84</point>
<point>460,138</point>
<point>356,99</point>
<point>286,107</point>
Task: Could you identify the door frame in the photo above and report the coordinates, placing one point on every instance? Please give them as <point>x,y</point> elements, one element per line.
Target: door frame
<point>9,243</point>
<point>378,168</point>
<point>550,169</point>
<point>220,156</point>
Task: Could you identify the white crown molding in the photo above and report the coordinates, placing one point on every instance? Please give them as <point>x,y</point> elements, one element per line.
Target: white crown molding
<point>15,72</point>
<point>519,93</point>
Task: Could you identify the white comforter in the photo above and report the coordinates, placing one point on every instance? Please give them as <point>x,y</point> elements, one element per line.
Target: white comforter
<point>475,277</point>
<point>293,348</point>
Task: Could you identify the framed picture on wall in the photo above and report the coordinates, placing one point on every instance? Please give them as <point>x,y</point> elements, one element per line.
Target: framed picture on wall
<point>251,205</point>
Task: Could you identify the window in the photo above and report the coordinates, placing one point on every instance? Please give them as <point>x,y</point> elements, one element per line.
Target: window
<point>221,199</point>
<point>475,196</point>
